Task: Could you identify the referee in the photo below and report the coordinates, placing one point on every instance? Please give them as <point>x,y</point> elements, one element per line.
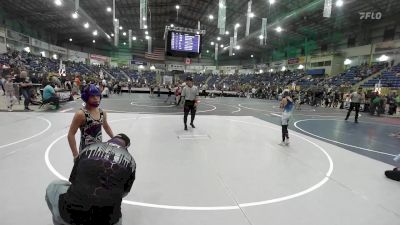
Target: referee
<point>191,95</point>
<point>356,98</point>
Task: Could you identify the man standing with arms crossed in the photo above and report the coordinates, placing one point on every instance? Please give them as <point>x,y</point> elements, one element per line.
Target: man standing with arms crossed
<point>191,95</point>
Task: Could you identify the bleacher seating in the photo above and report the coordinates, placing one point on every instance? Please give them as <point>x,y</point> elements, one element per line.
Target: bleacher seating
<point>236,82</point>
<point>387,78</point>
<point>212,80</point>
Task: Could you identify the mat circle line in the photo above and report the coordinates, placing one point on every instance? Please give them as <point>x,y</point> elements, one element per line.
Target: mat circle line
<point>31,137</point>
<point>337,142</point>
<point>213,208</point>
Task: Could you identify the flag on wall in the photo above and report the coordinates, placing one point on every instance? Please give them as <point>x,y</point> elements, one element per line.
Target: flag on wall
<point>158,54</point>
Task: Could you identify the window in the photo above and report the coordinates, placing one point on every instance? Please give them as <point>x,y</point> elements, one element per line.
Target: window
<point>324,47</point>
<point>388,35</point>
<point>327,63</point>
<point>351,42</point>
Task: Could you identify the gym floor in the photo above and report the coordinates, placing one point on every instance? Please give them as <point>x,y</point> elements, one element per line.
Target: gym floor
<point>228,170</point>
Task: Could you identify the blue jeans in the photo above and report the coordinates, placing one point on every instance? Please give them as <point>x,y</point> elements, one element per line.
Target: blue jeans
<point>27,97</point>
<point>53,192</point>
<point>2,87</point>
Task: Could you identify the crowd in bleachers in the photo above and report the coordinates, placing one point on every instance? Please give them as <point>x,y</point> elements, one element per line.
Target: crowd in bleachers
<point>389,77</point>
<point>198,78</point>
<point>327,91</point>
<point>27,75</point>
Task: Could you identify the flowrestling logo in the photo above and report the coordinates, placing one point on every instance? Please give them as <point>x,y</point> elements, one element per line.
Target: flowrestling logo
<point>370,15</point>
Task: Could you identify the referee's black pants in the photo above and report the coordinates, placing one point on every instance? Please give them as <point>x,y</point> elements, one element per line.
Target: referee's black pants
<point>189,107</point>
<point>353,106</point>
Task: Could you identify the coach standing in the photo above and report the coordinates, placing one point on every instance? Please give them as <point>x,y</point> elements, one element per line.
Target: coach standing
<point>191,95</point>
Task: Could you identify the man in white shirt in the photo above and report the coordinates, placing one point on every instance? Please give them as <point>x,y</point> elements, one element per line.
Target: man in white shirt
<point>191,95</point>
<point>356,99</point>
<point>106,92</point>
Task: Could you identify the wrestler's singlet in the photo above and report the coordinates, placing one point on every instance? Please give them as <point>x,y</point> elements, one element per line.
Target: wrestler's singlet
<point>91,131</point>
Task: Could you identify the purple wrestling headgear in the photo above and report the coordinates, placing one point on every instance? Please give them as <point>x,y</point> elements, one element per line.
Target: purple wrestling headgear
<point>90,90</point>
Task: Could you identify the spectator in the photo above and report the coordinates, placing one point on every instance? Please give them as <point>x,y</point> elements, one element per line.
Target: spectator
<point>78,81</point>
<point>119,88</point>
<point>151,90</point>
<point>115,88</point>
<point>287,105</point>
<point>392,104</point>
<point>178,92</point>
<point>11,98</point>
<point>169,95</point>
<point>25,88</point>
<point>50,95</point>
<point>2,82</point>
<point>68,85</point>
<point>129,87</point>
<point>106,92</point>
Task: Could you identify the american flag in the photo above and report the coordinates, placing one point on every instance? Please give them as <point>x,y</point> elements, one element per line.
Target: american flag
<point>158,54</point>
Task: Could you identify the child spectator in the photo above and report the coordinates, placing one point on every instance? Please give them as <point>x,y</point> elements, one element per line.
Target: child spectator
<point>11,98</point>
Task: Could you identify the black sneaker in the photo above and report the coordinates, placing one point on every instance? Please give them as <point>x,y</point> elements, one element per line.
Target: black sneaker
<point>28,109</point>
<point>186,127</point>
<point>192,125</point>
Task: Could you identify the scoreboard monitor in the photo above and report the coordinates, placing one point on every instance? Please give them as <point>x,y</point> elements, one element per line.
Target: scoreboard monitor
<point>183,44</point>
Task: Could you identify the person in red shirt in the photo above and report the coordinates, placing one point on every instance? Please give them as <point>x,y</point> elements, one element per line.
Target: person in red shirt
<point>178,93</point>
<point>78,81</point>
